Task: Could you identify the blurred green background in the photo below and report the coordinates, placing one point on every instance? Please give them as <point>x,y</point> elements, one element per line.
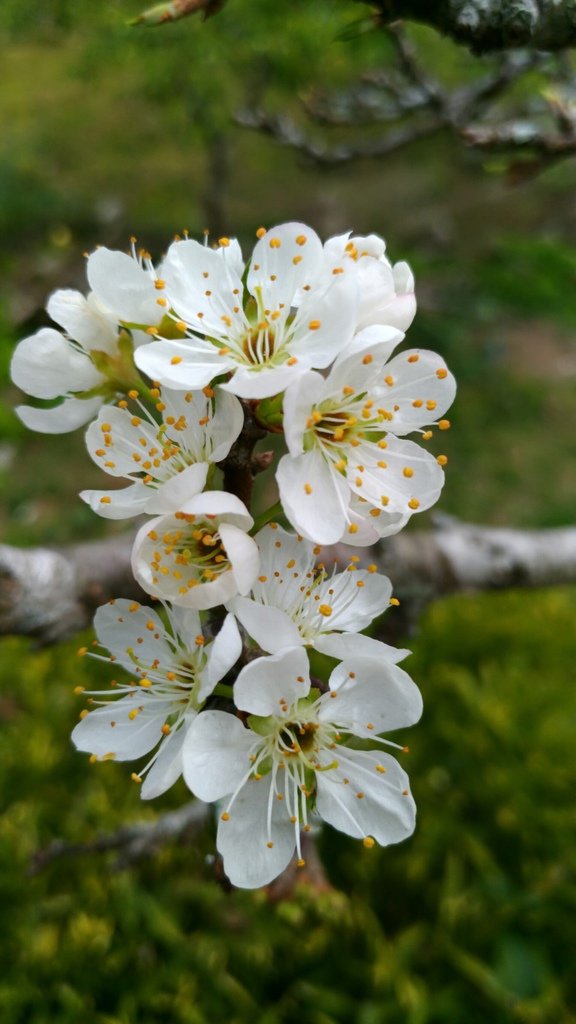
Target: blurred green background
<point>109,131</point>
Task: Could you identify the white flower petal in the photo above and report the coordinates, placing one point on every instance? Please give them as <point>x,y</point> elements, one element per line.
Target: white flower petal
<point>332,313</point>
<point>345,646</point>
<point>123,286</point>
<point>271,628</point>
<point>221,655</point>
<point>181,364</point>
<point>252,857</point>
<point>109,732</point>
<point>373,696</point>
<point>284,260</point>
<point>204,289</point>
<point>216,754</point>
<point>254,382</point>
<point>167,767</point>
<point>314,497</point>
<point>267,686</point>
<point>173,494</point>
<point>298,403</point>
<point>243,554</point>
<point>418,390</point>
<point>68,415</point>
<point>124,503</point>
<point>83,320</point>
<point>46,365</point>
<point>385,811</point>
<point>134,634</point>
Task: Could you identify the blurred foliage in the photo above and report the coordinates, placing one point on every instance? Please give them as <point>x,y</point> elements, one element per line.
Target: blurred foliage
<point>470,920</point>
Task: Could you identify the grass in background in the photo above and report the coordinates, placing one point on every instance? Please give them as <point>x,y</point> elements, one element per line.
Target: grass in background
<point>470,920</point>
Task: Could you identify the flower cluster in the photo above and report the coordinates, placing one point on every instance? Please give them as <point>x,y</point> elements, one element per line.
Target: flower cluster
<point>179,370</point>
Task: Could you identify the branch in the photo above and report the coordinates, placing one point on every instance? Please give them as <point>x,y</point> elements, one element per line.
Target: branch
<point>488,25</point>
<point>50,594</point>
<point>133,842</point>
<point>288,133</point>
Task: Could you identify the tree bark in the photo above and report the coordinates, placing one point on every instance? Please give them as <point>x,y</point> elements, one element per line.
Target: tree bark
<point>489,25</point>
<point>50,594</point>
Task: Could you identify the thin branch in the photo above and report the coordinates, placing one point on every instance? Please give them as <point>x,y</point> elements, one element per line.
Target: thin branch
<point>132,842</point>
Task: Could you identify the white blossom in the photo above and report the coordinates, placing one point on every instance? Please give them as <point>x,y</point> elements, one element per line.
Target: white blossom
<point>168,462</point>
<point>296,603</point>
<point>347,457</point>
<point>385,291</point>
<point>264,344</point>
<point>291,760</point>
<point>174,670</point>
<point>199,557</point>
<point>86,363</point>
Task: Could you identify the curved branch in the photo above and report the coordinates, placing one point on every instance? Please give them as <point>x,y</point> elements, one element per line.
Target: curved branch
<point>488,25</point>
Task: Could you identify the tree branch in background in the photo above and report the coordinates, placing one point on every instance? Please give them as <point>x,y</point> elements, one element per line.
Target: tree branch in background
<point>49,594</point>
<point>412,105</point>
<point>488,25</point>
<point>133,842</point>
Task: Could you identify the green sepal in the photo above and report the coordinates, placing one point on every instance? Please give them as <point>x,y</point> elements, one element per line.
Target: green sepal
<point>260,725</point>
<point>269,413</point>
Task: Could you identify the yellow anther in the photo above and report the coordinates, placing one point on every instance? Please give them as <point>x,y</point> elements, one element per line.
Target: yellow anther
<point>408,471</point>
<point>381,769</point>
<point>427,435</point>
<point>353,528</point>
<point>442,460</point>
<point>261,232</point>
<point>175,360</point>
<point>300,863</point>
<point>389,380</point>
<point>367,359</point>
<point>78,690</point>
<point>83,714</point>
<point>325,610</point>
<point>307,489</point>
<point>296,260</point>
<point>136,778</point>
<point>199,640</point>
<point>292,361</point>
<point>301,239</point>
<point>275,243</point>
<point>146,683</point>
<point>430,404</point>
<point>224,242</point>
<point>338,270</point>
<point>347,390</point>
<point>444,424</point>
<point>417,403</point>
<point>414,503</point>
<point>368,842</point>
<point>314,325</point>
<point>413,358</point>
<point>394,602</point>
<point>166,730</point>
<point>105,428</point>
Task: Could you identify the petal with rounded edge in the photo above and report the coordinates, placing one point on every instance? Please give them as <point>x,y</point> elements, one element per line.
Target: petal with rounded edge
<point>373,696</point>
<point>252,855</point>
<point>269,686</point>
<point>68,415</point>
<point>314,497</point>
<point>123,286</point>
<point>47,365</point>
<point>216,754</point>
<point>385,810</point>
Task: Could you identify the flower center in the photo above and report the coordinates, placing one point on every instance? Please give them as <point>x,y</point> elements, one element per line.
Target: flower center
<point>191,554</point>
<point>259,343</point>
